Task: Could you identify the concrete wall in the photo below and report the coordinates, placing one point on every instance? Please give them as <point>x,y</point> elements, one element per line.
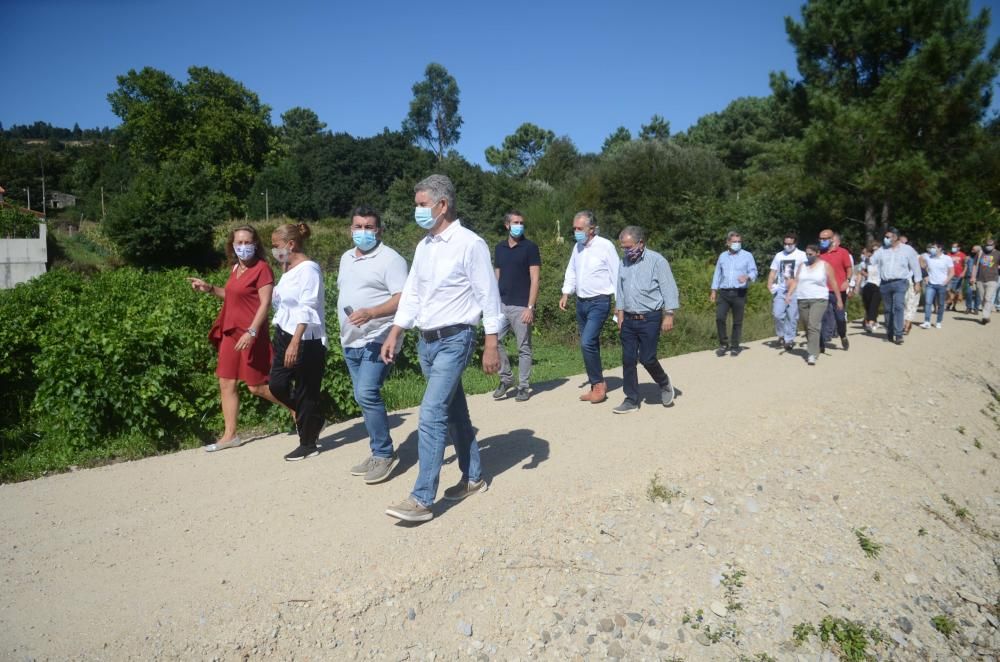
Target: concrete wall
<point>22,259</point>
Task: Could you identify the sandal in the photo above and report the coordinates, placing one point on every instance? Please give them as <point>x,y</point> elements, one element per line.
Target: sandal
<point>235,442</point>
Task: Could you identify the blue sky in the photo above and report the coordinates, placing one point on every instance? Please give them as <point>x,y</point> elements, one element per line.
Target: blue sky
<point>577,68</point>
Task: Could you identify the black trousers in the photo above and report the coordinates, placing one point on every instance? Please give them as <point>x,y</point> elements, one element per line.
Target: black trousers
<point>299,386</point>
<point>730,299</point>
<point>871,295</point>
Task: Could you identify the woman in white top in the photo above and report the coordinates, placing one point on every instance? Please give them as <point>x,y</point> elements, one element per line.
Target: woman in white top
<point>814,280</point>
<point>940,268</point>
<point>299,336</point>
<point>871,294</point>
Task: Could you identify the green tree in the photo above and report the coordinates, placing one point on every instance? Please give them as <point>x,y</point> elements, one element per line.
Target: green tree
<point>891,95</point>
<point>433,118</point>
<point>521,150</point>
<point>560,160</point>
<point>209,125</point>
<point>657,129</point>
<point>166,216</point>
<point>298,125</point>
<point>620,136</point>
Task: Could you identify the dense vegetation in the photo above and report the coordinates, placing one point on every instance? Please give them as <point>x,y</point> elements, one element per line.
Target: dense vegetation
<point>885,125</point>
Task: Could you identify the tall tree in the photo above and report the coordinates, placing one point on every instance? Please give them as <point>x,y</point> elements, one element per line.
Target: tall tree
<point>657,129</point>
<point>521,150</point>
<point>891,94</point>
<point>299,125</point>
<point>620,136</point>
<point>433,118</point>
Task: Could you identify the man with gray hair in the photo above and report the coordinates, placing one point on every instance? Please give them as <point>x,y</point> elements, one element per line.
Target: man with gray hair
<point>591,274</point>
<point>734,271</point>
<point>449,289</point>
<point>646,298</point>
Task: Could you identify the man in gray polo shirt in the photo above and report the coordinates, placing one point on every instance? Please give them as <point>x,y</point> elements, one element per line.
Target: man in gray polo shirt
<point>369,285</point>
<point>646,294</point>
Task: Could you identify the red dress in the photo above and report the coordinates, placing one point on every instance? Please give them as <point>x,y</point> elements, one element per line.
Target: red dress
<point>238,310</point>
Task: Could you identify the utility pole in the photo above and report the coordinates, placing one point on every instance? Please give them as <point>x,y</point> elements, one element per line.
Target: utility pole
<point>42,164</point>
<point>102,203</point>
<point>28,191</point>
<point>267,205</point>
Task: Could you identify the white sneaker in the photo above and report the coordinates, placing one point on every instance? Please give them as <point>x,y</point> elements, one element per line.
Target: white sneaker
<point>925,325</point>
<point>938,325</point>
<point>811,359</point>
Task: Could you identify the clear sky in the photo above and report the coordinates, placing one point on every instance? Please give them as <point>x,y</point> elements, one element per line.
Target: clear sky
<point>577,68</point>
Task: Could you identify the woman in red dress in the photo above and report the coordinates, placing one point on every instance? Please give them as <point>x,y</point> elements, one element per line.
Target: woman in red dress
<point>245,348</point>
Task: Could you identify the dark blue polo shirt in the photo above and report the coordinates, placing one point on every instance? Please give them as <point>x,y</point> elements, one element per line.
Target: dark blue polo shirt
<point>513,263</point>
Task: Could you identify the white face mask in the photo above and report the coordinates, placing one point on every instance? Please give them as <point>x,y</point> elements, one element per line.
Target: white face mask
<point>244,251</point>
<point>281,254</point>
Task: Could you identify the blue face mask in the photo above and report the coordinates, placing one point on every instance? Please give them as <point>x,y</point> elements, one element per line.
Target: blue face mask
<point>516,231</point>
<point>580,236</point>
<point>424,217</point>
<point>824,244</point>
<point>735,246</point>
<point>364,239</point>
<point>933,252</point>
<point>789,249</point>
<point>887,241</point>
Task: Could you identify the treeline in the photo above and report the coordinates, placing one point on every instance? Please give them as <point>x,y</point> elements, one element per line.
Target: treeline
<point>885,124</point>
<point>45,131</point>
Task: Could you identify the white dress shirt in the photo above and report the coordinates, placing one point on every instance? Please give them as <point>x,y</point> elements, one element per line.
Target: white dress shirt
<point>592,269</point>
<point>450,282</point>
<point>298,299</point>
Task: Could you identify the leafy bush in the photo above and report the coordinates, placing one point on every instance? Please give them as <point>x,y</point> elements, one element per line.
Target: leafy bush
<point>15,223</point>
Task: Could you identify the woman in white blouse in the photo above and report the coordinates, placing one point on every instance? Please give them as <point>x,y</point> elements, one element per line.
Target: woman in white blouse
<point>814,279</point>
<point>299,336</point>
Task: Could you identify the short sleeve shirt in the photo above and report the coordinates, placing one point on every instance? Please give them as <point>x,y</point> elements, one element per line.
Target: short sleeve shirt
<point>365,282</point>
<point>785,265</point>
<point>513,263</point>
<point>243,295</point>
<point>988,266</point>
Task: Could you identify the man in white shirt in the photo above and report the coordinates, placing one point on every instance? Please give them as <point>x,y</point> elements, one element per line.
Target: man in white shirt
<point>450,287</point>
<point>592,275</point>
<point>940,268</point>
<point>784,266</point>
<point>369,284</point>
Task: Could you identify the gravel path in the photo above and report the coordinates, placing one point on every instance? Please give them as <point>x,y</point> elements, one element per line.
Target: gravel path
<point>768,467</point>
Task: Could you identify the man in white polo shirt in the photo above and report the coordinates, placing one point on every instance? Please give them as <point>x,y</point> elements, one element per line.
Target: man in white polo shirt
<point>369,284</point>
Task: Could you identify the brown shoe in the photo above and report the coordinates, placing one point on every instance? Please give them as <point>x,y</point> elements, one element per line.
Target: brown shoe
<point>599,393</point>
<point>589,395</point>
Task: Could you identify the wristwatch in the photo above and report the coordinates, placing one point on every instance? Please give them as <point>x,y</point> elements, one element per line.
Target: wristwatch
<point>531,307</point>
<point>252,333</point>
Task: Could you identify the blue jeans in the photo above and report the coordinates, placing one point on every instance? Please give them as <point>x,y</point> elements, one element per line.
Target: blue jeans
<point>590,317</point>
<point>894,304</point>
<point>932,292</point>
<point>971,296</point>
<point>444,413</point>
<point>834,321</point>
<point>786,316</point>
<point>368,373</point>
<point>639,339</point>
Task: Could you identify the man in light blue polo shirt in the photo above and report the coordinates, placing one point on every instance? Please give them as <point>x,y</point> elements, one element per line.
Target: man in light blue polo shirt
<point>734,271</point>
<point>369,285</point>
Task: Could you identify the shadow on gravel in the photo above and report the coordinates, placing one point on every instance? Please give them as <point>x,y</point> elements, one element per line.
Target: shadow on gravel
<point>355,433</point>
<point>614,383</point>
<point>550,385</point>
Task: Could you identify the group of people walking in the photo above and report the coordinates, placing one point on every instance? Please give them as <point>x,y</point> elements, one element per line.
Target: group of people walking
<point>450,288</point>
<point>815,285</point>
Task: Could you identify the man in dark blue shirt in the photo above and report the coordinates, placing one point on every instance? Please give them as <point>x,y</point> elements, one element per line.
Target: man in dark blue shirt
<point>517,265</point>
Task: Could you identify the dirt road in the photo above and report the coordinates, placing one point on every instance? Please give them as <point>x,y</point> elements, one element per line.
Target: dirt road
<point>770,468</point>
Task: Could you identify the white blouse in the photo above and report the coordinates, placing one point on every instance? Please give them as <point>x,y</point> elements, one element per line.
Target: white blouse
<point>298,299</point>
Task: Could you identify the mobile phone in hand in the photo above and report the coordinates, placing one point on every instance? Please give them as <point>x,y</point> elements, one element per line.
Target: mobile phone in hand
<point>348,311</point>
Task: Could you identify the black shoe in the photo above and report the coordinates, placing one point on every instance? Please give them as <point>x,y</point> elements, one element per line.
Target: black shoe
<point>822,347</point>
<point>984,321</point>
<point>301,453</point>
<point>721,351</point>
<point>898,341</point>
<point>735,351</point>
<point>789,346</point>
<point>845,343</point>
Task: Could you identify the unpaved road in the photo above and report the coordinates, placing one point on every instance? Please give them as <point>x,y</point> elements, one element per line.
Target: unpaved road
<point>240,555</point>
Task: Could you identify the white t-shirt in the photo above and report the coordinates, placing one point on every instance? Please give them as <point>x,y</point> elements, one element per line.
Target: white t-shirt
<point>298,299</point>
<point>937,268</point>
<point>785,265</point>
<point>365,282</point>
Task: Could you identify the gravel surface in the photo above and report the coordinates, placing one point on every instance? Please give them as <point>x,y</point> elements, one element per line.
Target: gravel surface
<point>770,474</point>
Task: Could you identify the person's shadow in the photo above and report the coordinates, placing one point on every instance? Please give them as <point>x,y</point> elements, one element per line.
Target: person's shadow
<point>355,433</point>
<point>497,454</point>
